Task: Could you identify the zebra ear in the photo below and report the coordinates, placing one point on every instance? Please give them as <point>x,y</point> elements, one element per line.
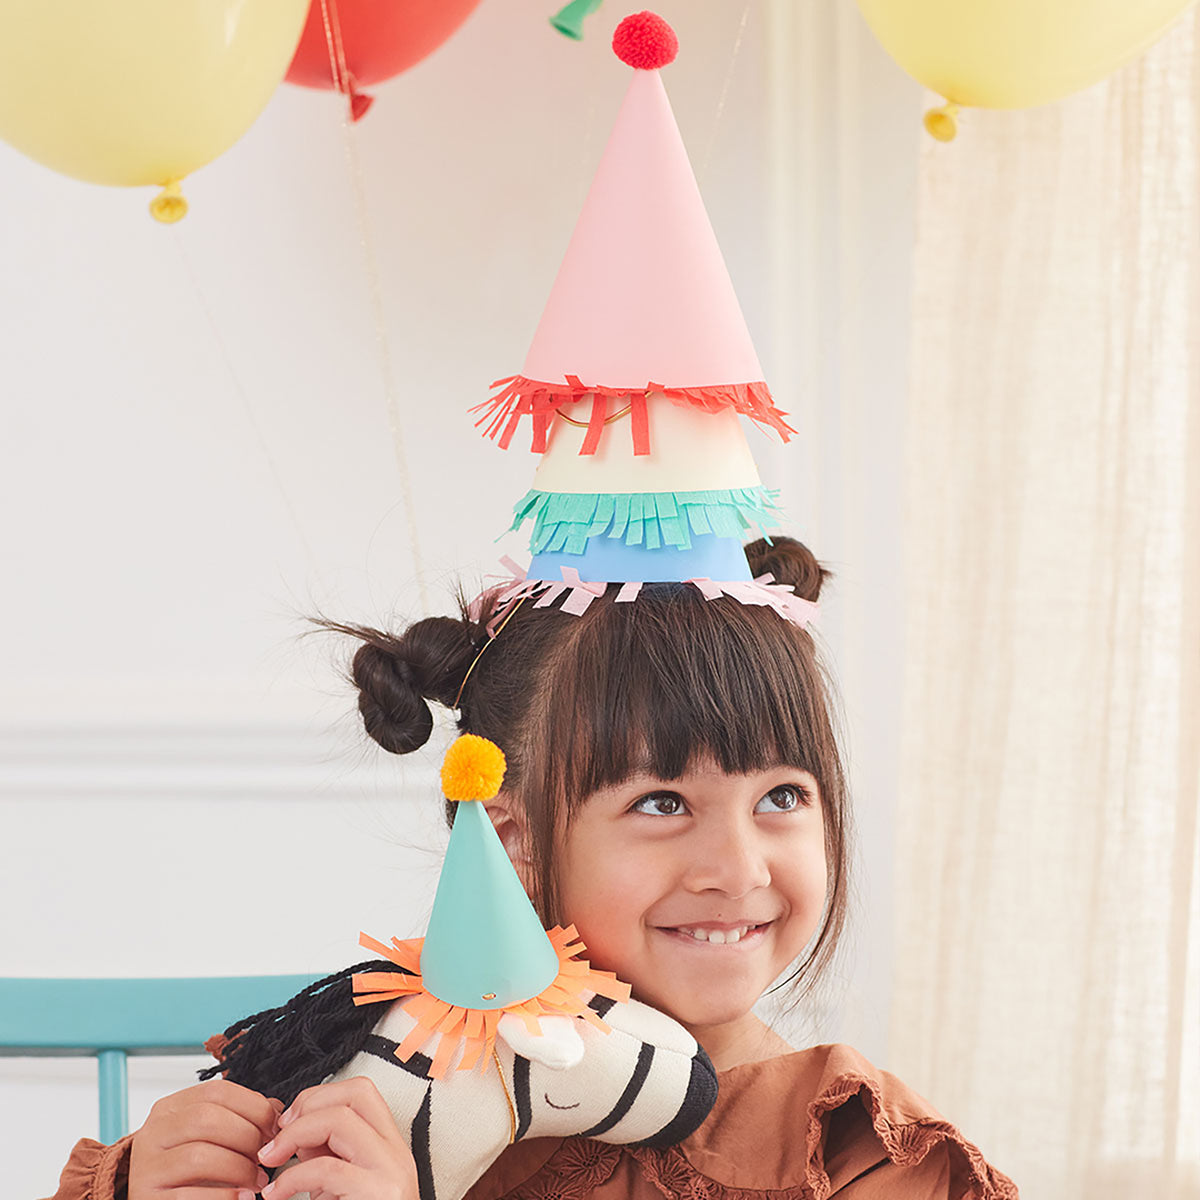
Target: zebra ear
<point>559,1045</point>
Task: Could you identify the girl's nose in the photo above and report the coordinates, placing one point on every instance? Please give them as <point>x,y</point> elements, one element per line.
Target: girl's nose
<point>731,861</point>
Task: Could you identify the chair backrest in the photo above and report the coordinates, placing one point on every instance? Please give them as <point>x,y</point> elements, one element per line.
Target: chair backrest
<point>110,1019</point>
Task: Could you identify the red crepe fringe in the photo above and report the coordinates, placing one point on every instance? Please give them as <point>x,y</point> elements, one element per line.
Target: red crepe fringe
<point>519,397</point>
<point>476,1028</point>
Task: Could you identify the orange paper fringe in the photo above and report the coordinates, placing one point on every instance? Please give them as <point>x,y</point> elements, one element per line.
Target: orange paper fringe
<point>475,1028</point>
<point>519,397</point>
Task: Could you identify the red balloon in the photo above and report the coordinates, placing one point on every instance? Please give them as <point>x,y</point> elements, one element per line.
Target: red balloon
<point>347,44</point>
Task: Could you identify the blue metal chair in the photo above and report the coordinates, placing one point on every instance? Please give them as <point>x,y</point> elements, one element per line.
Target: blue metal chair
<point>110,1019</point>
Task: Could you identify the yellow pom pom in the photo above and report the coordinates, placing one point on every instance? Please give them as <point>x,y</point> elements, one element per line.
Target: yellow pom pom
<point>473,769</point>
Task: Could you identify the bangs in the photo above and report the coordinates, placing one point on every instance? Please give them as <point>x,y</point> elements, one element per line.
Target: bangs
<point>657,685</point>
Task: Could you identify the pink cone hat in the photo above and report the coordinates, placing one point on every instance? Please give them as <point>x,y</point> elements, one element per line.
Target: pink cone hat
<point>643,302</point>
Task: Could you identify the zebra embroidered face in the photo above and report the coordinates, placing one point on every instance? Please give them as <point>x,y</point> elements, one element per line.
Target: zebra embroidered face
<point>646,1081</point>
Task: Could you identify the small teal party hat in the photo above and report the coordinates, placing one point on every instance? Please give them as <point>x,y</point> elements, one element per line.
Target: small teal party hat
<point>486,954</point>
<point>485,946</point>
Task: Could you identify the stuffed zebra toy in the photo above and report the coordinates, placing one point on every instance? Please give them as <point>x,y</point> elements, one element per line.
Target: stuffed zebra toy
<point>645,1082</point>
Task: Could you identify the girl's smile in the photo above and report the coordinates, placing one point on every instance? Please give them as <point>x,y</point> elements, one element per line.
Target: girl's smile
<point>719,935</point>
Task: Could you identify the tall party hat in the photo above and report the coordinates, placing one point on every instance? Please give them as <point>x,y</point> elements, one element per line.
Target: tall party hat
<point>637,374</point>
<point>485,952</point>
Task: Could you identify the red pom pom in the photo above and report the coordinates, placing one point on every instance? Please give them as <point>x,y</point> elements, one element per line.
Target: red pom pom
<point>645,41</point>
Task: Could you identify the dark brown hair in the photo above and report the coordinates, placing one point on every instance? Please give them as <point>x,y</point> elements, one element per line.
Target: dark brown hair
<point>578,703</point>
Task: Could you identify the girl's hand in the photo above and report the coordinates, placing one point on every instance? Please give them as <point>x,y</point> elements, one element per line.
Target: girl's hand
<point>202,1144</point>
<point>348,1145</point>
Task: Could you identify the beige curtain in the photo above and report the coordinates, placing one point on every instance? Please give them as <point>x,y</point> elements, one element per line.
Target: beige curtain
<point>1047,984</point>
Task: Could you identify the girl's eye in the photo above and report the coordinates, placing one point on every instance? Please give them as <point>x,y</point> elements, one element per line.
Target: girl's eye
<point>659,804</point>
<point>785,798</point>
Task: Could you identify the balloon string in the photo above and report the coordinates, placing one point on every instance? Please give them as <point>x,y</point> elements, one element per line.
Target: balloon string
<point>737,46</point>
<point>341,75</point>
<point>385,359</point>
<point>337,50</point>
<point>272,467</point>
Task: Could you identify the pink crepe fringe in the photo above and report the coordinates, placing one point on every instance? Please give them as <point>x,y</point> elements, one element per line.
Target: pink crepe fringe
<point>499,599</point>
<point>519,397</point>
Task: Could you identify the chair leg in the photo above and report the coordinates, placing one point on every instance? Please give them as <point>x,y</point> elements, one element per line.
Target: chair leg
<point>114,1096</point>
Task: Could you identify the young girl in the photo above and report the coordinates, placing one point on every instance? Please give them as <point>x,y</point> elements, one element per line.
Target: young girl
<point>675,791</point>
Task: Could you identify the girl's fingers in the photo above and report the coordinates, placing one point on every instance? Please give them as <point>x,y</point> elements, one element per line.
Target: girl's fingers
<point>201,1163</point>
<point>208,1121</point>
<point>343,1130</point>
<point>359,1094</point>
<point>334,1177</point>
<point>207,1193</point>
<point>257,1109</point>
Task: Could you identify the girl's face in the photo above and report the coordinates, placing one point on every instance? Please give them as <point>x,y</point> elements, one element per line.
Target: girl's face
<point>699,891</point>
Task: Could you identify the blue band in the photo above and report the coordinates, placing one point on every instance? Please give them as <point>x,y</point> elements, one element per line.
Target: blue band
<point>610,560</point>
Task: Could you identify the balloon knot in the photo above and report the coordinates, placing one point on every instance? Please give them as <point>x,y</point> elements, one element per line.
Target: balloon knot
<point>169,205</point>
<point>942,123</point>
<point>645,41</point>
<point>359,101</point>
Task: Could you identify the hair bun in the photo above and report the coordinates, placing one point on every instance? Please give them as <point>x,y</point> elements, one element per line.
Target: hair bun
<point>393,710</point>
<point>789,561</point>
<point>395,675</point>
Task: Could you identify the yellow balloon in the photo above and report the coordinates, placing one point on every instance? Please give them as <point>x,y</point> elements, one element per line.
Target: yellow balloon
<point>1014,53</point>
<point>136,92</point>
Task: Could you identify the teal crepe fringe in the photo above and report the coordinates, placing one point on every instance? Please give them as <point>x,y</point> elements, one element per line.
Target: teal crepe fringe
<point>564,521</point>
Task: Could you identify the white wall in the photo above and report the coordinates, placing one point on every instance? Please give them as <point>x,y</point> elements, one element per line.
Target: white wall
<point>199,448</point>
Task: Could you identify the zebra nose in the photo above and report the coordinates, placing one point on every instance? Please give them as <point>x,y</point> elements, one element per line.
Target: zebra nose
<point>697,1103</point>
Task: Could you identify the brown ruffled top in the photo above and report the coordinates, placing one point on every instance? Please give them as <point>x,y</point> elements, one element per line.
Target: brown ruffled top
<point>819,1123</point>
<point>811,1125</point>
<point>95,1171</point>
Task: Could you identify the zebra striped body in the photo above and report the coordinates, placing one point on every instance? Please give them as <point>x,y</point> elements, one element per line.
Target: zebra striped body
<point>646,1081</point>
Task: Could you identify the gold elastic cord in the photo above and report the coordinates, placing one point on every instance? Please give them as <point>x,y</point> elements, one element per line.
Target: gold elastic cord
<point>484,647</point>
<point>512,1112</point>
<point>607,420</point>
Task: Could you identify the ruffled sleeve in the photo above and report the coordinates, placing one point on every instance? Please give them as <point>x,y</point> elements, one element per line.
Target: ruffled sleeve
<point>861,1112</point>
<point>95,1171</point>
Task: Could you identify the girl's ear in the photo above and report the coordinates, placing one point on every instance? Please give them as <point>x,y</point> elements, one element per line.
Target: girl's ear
<point>508,819</point>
